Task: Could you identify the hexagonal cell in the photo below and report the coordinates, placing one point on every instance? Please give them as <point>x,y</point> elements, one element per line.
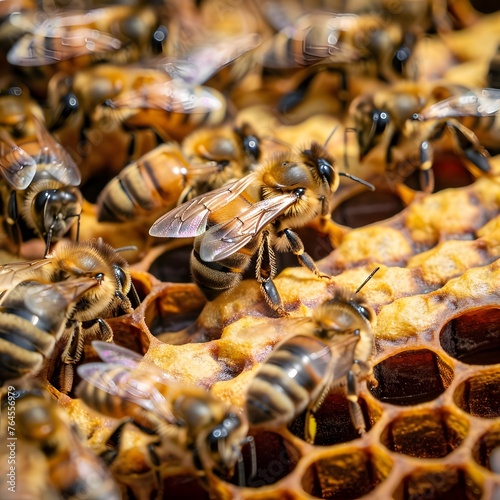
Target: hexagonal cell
<point>438,483</point>
<point>411,377</point>
<point>275,459</point>
<point>175,307</point>
<point>333,419</point>
<point>479,395</point>
<point>367,207</point>
<point>425,433</point>
<point>486,451</point>
<point>346,475</point>
<point>473,337</point>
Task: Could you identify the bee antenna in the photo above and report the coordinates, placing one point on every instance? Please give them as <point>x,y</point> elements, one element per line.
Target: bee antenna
<point>126,249</point>
<point>371,187</point>
<point>253,455</point>
<point>370,276</point>
<point>330,136</point>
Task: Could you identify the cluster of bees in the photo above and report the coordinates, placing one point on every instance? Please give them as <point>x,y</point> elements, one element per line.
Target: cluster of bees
<point>138,114</point>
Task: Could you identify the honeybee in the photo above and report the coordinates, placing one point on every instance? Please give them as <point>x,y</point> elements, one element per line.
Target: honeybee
<point>337,41</point>
<point>185,417</point>
<point>175,107</point>
<point>118,32</point>
<point>33,317</point>
<point>41,178</point>
<point>101,146</point>
<point>334,344</point>
<point>43,430</point>
<point>406,118</point>
<point>252,216</point>
<point>70,261</point>
<point>171,174</point>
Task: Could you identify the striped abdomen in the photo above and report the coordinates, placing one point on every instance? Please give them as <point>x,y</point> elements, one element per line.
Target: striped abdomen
<point>114,405</point>
<point>288,380</point>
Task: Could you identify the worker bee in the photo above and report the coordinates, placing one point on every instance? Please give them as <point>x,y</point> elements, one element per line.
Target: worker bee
<point>185,417</point>
<point>43,430</point>
<point>71,261</point>
<point>252,216</point>
<point>40,188</point>
<point>405,119</point>
<point>335,343</point>
<point>33,316</point>
<point>117,32</point>
<point>170,175</point>
<point>175,107</point>
<point>339,40</point>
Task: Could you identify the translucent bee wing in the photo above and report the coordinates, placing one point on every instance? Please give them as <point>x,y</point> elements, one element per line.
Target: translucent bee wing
<point>486,102</point>
<point>115,354</point>
<point>13,273</point>
<point>57,160</point>
<point>138,390</point>
<point>17,166</point>
<point>201,62</point>
<point>223,240</point>
<point>54,298</point>
<point>190,218</point>
<point>173,96</point>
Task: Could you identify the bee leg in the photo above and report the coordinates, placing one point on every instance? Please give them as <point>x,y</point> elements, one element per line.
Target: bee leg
<point>469,145</point>
<point>297,248</point>
<point>354,408</point>
<point>265,270</point>
<point>310,426</point>
<point>11,225</point>
<point>426,173</point>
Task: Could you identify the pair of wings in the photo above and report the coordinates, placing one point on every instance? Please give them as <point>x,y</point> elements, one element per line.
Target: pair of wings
<point>221,240</point>
<point>138,379</point>
<point>481,102</point>
<point>41,297</point>
<point>19,168</point>
<point>62,37</point>
<point>185,92</point>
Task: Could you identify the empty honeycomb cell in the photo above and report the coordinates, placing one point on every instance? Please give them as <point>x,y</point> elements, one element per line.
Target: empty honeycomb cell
<point>411,377</point>
<point>182,486</point>
<point>333,421</point>
<point>438,483</point>
<point>367,207</point>
<point>483,450</point>
<point>275,458</point>
<point>425,433</point>
<point>172,308</point>
<point>479,395</point>
<point>346,475</point>
<point>473,337</point>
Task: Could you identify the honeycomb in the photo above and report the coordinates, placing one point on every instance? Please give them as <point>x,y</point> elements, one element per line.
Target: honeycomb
<point>433,419</point>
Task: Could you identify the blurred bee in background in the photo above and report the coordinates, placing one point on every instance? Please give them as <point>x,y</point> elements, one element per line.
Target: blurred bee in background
<point>334,344</point>
<point>119,33</point>
<point>186,418</point>
<point>69,469</point>
<point>389,118</point>
<point>72,261</point>
<point>345,43</point>
<point>40,182</point>
<point>33,317</point>
<point>252,216</point>
<point>171,174</point>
